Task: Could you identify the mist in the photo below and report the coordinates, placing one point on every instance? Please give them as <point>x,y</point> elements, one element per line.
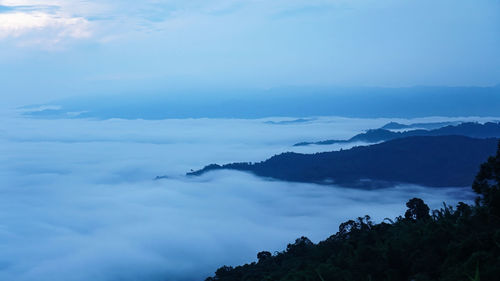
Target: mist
<point>78,200</point>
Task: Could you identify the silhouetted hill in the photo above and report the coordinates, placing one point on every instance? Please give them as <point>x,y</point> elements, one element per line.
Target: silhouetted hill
<point>448,244</point>
<point>427,126</point>
<point>425,160</point>
<point>469,129</point>
<point>289,122</point>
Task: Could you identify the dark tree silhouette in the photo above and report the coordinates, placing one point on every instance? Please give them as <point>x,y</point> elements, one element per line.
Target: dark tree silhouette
<point>264,255</point>
<point>300,246</point>
<point>487,184</point>
<point>417,209</point>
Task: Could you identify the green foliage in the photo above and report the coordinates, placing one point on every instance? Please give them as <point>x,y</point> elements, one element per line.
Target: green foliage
<point>461,243</point>
<point>476,276</point>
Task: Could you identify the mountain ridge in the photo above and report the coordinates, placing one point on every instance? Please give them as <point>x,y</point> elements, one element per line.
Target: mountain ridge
<point>435,161</point>
<point>469,129</point>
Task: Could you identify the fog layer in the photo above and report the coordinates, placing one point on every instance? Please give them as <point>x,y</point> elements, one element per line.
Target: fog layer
<point>78,201</point>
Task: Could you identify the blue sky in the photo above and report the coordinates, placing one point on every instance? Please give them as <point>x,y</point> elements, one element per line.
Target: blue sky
<point>52,49</point>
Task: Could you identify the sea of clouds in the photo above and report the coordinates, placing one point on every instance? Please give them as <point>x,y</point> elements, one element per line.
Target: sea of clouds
<point>78,200</point>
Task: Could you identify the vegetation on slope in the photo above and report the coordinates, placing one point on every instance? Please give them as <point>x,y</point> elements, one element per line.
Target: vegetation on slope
<point>461,243</point>
<point>430,161</point>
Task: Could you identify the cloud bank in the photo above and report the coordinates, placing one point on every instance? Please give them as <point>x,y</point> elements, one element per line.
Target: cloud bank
<point>78,201</point>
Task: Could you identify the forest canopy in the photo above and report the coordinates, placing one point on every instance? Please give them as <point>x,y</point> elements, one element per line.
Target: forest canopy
<point>449,244</point>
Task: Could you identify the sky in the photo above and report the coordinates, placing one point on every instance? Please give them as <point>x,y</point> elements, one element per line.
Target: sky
<point>53,49</point>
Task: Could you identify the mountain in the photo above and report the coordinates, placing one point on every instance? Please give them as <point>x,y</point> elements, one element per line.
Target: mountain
<point>437,161</point>
<point>427,126</point>
<point>197,101</point>
<point>469,129</point>
<point>448,244</point>
<point>290,122</point>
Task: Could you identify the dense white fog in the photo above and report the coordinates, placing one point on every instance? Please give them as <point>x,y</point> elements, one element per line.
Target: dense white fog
<point>78,200</point>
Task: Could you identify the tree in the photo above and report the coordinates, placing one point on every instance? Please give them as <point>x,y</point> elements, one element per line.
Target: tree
<point>264,255</point>
<point>300,246</point>
<point>487,184</point>
<point>224,270</point>
<point>417,209</point>
<point>345,228</point>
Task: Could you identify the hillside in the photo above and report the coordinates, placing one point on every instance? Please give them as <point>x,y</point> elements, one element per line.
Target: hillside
<point>426,125</point>
<point>468,129</point>
<point>431,161</point>
<point>461,243</point>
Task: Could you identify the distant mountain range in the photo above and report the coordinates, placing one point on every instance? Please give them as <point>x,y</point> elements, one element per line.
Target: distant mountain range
<point>469,129</point>
<point>437,161</point>
<point>289,122</point>
<point>299,102</point>
<point>427,126</point>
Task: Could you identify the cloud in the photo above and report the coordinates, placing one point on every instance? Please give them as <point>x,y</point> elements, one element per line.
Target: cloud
<point>18,23</point>
<point>78,203</point>
<point>40,24</point>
